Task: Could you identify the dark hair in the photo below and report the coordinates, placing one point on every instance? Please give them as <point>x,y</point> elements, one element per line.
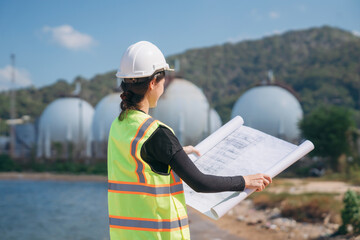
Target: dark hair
<point>134,90</point>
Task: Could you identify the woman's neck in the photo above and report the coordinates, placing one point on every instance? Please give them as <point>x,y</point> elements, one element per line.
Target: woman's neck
<point>144,106</point>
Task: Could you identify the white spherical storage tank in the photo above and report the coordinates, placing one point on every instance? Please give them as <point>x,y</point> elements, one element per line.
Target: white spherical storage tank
<point>184,108</point>
<point>65,120</point>
<point>215,121</point>
<point>271,109</point>
<point>105,112</point>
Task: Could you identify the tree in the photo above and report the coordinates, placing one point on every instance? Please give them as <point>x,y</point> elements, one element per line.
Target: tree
<point>351,212</point>
<point>328,128</point>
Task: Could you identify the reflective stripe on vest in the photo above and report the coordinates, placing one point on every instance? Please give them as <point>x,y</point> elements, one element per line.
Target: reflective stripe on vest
<point>134,143</point>
<point>145,189</point>
<point>175,177</point>
<point>144,224</point>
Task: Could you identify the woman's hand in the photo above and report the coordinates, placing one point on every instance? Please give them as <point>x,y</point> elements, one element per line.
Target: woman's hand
<point>257,181</point>
<point>190,149</point>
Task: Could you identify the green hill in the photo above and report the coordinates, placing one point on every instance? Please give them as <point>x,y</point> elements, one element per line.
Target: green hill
<point>321,64</point>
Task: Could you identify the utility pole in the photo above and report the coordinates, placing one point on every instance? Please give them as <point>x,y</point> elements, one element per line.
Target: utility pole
<point>12,107</point>
<point>208,73</point>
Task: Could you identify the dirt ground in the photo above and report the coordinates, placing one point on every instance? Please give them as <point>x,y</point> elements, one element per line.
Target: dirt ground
<point>248,223</point>
<point>297,186</point>
<point>243,221</point>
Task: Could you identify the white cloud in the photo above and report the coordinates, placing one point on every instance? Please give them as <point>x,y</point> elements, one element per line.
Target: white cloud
<point>274,15</point>
<point>68,37</point>
<point>356,33</point>
<point>22,78</point>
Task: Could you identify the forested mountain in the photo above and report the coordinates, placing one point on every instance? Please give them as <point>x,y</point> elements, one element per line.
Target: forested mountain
<point>321,64</point>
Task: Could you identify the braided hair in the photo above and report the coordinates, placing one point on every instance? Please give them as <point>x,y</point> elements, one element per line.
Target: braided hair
<point>134,90</point>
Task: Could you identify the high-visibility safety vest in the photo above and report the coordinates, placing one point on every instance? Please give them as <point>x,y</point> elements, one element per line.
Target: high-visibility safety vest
<point>142,204</point>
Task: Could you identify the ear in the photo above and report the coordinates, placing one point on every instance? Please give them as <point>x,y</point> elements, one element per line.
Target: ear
<point>152,84</point>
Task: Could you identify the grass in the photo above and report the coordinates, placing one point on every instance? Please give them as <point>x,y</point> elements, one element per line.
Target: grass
<point>351,176</point>
<point>307,207</point>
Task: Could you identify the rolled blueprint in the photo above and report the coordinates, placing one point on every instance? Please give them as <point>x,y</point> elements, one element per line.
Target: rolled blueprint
<point>234,150</point>
<point>219,210</point>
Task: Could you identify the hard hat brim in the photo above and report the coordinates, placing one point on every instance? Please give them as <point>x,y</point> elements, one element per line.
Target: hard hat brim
<point>119,75</point>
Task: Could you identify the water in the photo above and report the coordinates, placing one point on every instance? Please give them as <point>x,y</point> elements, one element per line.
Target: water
<point>43,210</point>
<point>36,210</point>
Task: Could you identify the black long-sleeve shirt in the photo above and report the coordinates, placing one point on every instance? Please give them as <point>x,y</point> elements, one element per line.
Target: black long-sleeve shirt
<point>163,149</point>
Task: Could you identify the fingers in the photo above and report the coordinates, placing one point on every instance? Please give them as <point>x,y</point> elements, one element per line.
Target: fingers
<point>266,182</point>
<point>267,177</point>
<point>197,152</point>
<point>257,181</point>
<point>190,149</point>
<point>261,187</point>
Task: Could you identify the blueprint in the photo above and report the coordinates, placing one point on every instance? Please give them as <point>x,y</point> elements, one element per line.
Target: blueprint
<point>235,149</point>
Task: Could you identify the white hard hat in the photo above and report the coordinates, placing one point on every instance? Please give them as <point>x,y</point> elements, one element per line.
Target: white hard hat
<point>141,59</point>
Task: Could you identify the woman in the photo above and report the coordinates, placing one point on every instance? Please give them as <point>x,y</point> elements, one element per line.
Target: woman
<point>146,163</point>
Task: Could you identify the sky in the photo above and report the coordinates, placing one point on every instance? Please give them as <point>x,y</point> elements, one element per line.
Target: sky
<point>64,39</point>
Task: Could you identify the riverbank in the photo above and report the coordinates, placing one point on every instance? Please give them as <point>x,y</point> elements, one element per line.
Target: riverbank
<point>281,185</point>
<point>44,176</point>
